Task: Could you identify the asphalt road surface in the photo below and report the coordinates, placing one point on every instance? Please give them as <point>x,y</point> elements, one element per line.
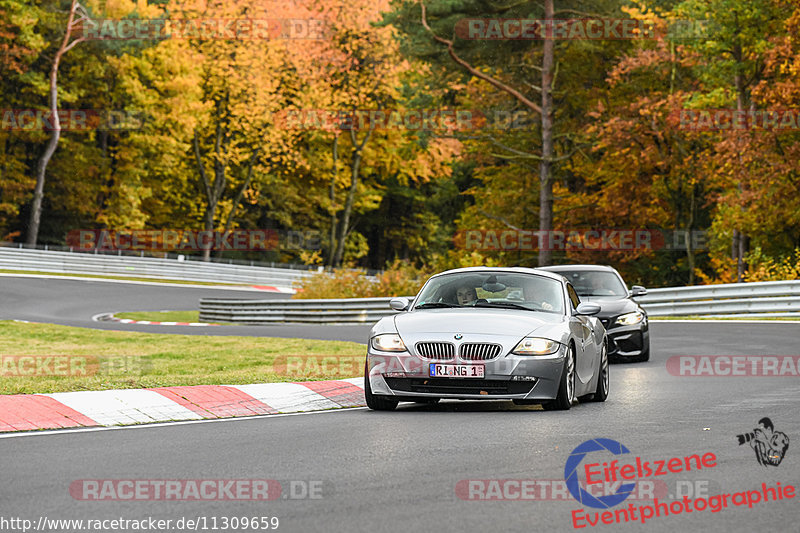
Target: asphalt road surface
<point>75,302</point>
<point>412,469</point>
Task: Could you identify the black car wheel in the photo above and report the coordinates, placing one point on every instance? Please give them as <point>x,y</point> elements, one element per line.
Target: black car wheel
<point>603,381</point>
<point>566,389</point>
<point>374,401</point>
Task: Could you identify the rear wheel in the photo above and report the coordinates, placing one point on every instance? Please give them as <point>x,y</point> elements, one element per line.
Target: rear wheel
<point>566,388</point>
<point>374,401</point>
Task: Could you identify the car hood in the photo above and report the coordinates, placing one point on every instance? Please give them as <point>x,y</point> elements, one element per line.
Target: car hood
<point>474,322</point>
<point>612,307</point>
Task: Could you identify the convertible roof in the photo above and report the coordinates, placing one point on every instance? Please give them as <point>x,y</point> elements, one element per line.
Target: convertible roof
<point>508,270</point>
<point>575,268</point>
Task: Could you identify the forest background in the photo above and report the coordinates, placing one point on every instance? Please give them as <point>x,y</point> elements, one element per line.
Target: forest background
<point>598,139</point>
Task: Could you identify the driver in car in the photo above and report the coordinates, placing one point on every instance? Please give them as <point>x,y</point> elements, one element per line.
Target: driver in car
<point>599,287</point>
<point>466,295</point>
<point>536,294</point>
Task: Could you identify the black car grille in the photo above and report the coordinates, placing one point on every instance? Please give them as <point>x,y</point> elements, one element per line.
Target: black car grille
<point>478,351</point>
<point>441,351</point>
<point>486,387</point>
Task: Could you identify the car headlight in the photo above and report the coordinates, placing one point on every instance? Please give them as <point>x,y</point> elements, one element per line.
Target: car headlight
<point>536,346</point>
<point>630,319</point>
<point>388,342</point>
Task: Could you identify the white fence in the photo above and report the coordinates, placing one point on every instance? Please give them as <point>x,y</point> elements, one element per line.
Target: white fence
<point>147,267</point>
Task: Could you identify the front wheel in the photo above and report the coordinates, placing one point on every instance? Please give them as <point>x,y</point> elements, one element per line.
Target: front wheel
<point>375,402</point>
<point>566,388</point>
<point>601,392</point>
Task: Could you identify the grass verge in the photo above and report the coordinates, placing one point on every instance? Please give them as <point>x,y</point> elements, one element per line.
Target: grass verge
<point>78,359</point>
<point>162,316</point>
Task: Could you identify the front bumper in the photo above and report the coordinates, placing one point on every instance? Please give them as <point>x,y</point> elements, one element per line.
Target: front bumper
<point>403,374</point>
<point>627,341</point>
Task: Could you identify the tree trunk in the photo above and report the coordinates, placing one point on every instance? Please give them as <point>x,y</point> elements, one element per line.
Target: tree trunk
<point>740,244</point>
<point>688,236</point>
<point>214,190</point>
<point>52,144</point>
<point>545,166</point>
<point>239,195</point>
<point>358,150</point>
<point>332,195</point>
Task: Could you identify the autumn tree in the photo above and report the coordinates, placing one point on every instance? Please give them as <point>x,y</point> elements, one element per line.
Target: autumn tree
<point>733,62</point>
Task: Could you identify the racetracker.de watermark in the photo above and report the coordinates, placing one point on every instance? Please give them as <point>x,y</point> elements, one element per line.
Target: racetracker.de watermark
<point>556,489</point>
<point>70,120</point>
<point>773,120</point>
<point>453,120</point>
<point>578,29</point>
<point>733,366</point>
<point>599,240</point>
<point>167,240</point>
<point>204,29</point>
<point>198,489</point>
<point>22,366</point>
<point>317,366</point>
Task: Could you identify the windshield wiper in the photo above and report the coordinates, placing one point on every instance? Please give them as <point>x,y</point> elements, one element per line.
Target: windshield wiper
<point>511,305</point>
<point>434,305</point>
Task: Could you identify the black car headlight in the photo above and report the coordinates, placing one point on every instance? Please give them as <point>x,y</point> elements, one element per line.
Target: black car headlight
<point>388,342</point>
<point>630,319</point>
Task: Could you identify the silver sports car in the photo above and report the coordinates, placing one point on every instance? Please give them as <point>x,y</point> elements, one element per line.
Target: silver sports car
<point>484,333</point>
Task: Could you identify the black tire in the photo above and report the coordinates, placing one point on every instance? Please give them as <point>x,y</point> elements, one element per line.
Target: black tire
<point>603,382</point>
<point>566,388</point>
<point>374,401</point>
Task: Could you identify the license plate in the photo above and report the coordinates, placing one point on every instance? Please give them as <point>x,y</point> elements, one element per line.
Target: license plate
<point>457,371</point>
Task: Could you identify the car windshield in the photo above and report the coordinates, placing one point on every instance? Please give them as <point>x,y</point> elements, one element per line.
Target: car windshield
<point>596,283</point>
<point>492,290</point>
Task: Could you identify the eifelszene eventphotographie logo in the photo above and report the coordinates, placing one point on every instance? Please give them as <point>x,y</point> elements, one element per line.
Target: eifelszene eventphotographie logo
<point>571,474</point>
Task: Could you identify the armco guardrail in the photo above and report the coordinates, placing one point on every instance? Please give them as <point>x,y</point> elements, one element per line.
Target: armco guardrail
<point>772,298</point>
<point>775,298</point>
<point>332,311</point>
<point>146,267</point>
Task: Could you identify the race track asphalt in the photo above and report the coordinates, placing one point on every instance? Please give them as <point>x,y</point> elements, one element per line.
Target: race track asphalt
<point>74,302</point>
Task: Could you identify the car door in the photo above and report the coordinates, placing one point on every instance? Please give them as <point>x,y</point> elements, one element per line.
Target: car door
<point>583,328</point>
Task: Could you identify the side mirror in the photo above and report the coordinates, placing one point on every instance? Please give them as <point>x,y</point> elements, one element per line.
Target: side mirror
<point>588,308</point>
<point>399,304</point>
<point>638,290</point>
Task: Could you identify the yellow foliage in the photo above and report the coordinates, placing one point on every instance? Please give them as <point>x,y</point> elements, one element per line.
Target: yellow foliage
<point>764,268</point>
<point>399,279</point>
